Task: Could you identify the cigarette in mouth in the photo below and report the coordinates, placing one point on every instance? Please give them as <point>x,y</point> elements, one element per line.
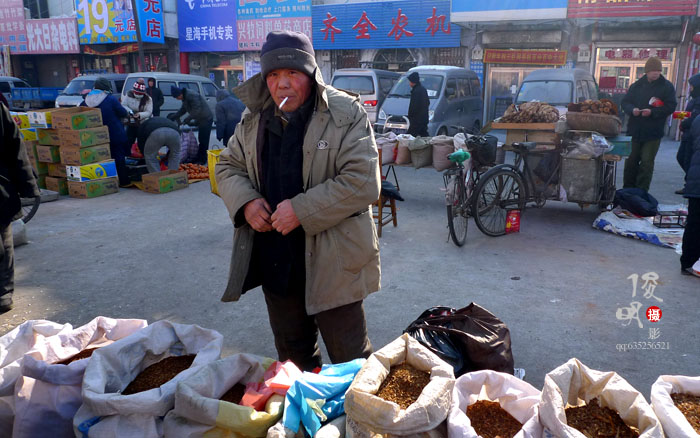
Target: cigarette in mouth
<point>284,101</point>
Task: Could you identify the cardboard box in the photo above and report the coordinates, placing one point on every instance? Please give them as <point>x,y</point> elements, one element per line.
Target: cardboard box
<point>39,167</point>
<point>41,181</point>
<point>76,156</point>
<point>42,118</point>
<point>30,147</point>
<point>93,189</point>
<point>48,154</point>
<point>21,119</point>
<point>77,118</point>
<point>48,137</point>
<point>164,182</point>
<point>28,134</point>
<point>59,185</point>
<point>89,172</point>
<point>84,137</point>
<point>57,170</point>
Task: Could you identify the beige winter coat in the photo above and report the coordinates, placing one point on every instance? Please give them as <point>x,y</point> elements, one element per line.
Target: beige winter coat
<point>341,179</point>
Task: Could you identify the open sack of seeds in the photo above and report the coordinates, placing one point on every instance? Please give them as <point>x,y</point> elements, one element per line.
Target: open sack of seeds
<point>47,393</point>
<point>676,401</point>
<point>13,346</point>
<point>577,400</point>
<point>488,404</point>
<point>130,385</point>
<point>402,389</point>
<point>208,402</point>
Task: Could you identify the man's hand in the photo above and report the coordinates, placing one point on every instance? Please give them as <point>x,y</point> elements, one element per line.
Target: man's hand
<point>284,220</point>
<point>646,112</point>
<point>257,214</point>
<point>636,111</point>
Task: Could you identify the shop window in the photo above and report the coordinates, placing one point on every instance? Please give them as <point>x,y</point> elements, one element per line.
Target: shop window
<point>209,89</point>
<point>165,86</point>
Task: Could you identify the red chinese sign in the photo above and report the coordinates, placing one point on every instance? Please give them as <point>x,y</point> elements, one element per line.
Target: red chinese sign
<point>12,32</point>
<point>527,57</point>
<point>630,8</point>
<point>629,54</point>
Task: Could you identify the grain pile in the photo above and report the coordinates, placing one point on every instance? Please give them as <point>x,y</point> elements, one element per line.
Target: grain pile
<point>689,405</point>
<point>403,385</point>
<point>82,355</point>
<point>234,395</point>
<point>159,373</point>
<point>490,420</point>
<point>595,421</point>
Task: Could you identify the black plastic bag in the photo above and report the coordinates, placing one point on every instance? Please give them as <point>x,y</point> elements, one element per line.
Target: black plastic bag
<point>469,339</point>
<point>637,201</point>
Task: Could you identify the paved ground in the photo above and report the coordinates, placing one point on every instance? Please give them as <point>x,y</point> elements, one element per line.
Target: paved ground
<point>557,284</point>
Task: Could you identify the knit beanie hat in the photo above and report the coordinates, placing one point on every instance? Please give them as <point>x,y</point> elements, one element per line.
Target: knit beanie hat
<point>176,92</point>
<point>139,87</point>
<point>287,49</point>
<point>103,84</point>
<point>414,77</point>
<point>653,64</point>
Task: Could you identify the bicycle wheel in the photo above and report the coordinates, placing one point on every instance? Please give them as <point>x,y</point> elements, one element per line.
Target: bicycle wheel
<point>29,208</point>
<point>457,217</point>
<point>498,191</point>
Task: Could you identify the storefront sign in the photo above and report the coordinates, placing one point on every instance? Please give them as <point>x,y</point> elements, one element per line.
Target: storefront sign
<point>507,10</point>
<point>257,18</point>
<point>251,68</point>
<point>112,21</point>
<point>12,31</point>
<point>207,26</point>
<point>630,54</point>
<point>525,57</point>
<point>408,23</point>
<point>126,48</point>
<point>52,35</point>
<point>630,8</point>
<point>478,68</point>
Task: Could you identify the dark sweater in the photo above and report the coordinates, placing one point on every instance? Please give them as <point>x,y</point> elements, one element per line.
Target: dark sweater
<point>639,95</point>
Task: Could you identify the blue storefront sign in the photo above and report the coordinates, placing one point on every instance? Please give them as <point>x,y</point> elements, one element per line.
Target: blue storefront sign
<point>387,24</point>
<point>112,21</point>
<point>207,25</point>
<point>507,10</point>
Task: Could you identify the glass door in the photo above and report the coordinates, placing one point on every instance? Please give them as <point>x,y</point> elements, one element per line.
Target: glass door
<point>503,84</point>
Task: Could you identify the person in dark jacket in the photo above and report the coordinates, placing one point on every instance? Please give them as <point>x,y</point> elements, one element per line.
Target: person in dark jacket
<point>685,150</point>
<point>198,114</point>
<point>112,114</point>
<point>691,234</point>
<point>4,101</point>
<point>649,102</point>
<point>418,107</point>
<point>16,181</point>
<point>155,133</point>
<point>228,114</point>
<point>156,96</point>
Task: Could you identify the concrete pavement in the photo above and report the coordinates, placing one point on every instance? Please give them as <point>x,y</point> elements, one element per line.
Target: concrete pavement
<point>557,284</point>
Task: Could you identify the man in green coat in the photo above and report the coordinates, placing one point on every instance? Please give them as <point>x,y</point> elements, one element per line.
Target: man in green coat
<point>298,178</point>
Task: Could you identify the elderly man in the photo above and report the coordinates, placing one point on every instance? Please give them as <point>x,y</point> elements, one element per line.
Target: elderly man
<point>649,102</point>
<point>298,177</point>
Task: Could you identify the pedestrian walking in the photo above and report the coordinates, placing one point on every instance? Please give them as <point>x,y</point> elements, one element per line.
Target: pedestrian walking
<point>649,102</point>
<point>418,107</point>
<point>298,178</point>
<point>16,181</point>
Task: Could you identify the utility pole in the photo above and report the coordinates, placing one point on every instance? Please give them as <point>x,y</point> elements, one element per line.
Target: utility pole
<point>142,59</point>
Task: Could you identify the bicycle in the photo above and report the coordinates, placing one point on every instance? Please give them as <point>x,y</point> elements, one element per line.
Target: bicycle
<point>30,205</point>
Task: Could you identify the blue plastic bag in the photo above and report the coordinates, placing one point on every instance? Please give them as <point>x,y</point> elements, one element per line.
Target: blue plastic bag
<point>317,398</point>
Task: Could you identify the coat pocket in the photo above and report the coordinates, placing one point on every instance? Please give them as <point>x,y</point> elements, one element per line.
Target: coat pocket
<point>357,242</point>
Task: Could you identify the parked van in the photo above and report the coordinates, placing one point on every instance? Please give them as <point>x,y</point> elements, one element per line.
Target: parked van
<point>70,96</point>
<point>558,87</point>
<point>455,99</point>
<point>7,84</point>
<point>372,85</point>
<point>199,84</point>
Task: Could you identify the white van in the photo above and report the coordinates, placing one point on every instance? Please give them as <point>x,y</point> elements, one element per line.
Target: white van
<point>371,84</point>
<point>164,81</point>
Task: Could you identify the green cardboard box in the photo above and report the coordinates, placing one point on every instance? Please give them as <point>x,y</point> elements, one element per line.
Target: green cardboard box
<point>48,137</point>
<point>48,154</point>
<point>59,185</point>
<point>76,156</point>
<point>41,181</point>
<point>77,118</point>
<point>93,189</point>
<point>84,137</point>
<point>57,170</point>
<point>164,182</point>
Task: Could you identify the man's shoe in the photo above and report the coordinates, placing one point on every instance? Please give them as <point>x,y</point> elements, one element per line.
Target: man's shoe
<point>687,271</point>
<point>5,305</point>
<point>679,192</point>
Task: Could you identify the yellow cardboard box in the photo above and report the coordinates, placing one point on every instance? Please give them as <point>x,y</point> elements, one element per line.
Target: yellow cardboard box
<point>77,118</point>
<point>164,182</point>
<point>84,137</point>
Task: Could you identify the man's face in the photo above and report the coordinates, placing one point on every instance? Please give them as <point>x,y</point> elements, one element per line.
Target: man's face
<point>179,97</point>
<point>653,75</point>
<point>293,84</point>
<point>411,84</point>
<point>151,83</point>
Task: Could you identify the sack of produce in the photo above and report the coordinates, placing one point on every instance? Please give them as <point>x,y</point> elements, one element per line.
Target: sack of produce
<point>403,156</point>
<point>530,112</point>
<point>129,386</point>
<point>421,152</point>
<point>606,124</point>
<point>469,339</point>
<point>28,336</point>
<point>442,147</point>
<point>47,393</point>
<point>676,402</point>
<point>489,404</point>
<point>387,143</point>
<point>209,402</point>
<point>577,402</point>
<point>402,389</point>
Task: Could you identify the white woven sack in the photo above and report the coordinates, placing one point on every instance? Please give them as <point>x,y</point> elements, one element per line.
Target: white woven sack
<point>672,420</point>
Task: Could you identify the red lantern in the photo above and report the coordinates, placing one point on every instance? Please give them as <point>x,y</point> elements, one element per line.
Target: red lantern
<point>696,39</point>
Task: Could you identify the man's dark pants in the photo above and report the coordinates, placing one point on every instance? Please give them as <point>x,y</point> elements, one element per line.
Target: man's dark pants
<point>343,329</point>
<point>639,166</point>
<point>203,138</point>
<point>7,266</point>
<point>691,235</point>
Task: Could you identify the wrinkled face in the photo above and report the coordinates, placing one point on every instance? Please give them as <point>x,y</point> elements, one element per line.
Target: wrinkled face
<point>653,75</point>
<point>292,84</point>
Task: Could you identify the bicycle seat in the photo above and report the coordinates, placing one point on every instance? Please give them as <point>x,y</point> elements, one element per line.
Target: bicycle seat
<point>526,145</point>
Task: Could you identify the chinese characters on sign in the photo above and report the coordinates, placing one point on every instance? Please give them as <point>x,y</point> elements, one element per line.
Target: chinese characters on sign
<point>12,26</point>
<point>52,35</point>
<point>649,282</point>
<point>644,8</point>
<point>112,21</point>
<point>634,54</point>
<point>529,57</point>
<point>207,25</point>
<point>257,18</point>
<point>410,23</point>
